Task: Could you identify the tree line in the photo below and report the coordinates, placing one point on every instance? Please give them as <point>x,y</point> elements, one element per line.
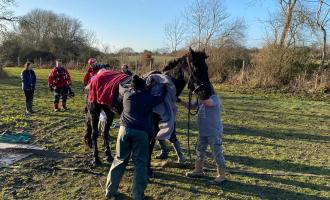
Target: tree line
<point>293,54</point>
<point>43,34</point>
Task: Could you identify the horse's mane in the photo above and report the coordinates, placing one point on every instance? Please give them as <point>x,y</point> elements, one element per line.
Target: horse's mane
<point>172,64</point>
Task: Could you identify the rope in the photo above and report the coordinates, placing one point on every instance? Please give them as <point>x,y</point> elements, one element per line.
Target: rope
<point>190,93</point>
<point>188,125</point>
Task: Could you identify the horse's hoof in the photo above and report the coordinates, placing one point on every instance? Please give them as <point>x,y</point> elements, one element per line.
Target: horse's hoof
<point>88,142</point>
<point>110,159</point>
<point>96,162</point>
<point>162,156</point>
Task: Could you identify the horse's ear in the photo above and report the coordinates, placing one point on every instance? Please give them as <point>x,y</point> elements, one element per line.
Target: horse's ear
<point>191,50</point>
<point>204,53</point>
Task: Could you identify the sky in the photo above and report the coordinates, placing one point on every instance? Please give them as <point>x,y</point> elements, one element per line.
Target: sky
<point>140,23</point>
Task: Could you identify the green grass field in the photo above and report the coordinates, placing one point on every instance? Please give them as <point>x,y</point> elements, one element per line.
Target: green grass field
<point>272,143</point>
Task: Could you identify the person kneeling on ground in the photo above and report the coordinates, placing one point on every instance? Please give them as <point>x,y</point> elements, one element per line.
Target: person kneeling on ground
<point>210,133</point>
<point>28,85</point>
<point>136,124</point>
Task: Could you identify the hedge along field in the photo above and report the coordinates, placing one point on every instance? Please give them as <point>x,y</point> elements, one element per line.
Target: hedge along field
<point>272,144</point>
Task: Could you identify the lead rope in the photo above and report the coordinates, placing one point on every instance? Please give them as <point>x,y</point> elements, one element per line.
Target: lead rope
<point>188,125</point>
<point>190,93</point>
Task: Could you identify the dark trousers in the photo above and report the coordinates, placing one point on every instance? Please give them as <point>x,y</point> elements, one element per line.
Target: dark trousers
<point>130,143</point>
<point>29,95</point>
<point>61,92</point>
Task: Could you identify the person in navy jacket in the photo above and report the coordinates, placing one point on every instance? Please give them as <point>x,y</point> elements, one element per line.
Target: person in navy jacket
<point>28,85</point>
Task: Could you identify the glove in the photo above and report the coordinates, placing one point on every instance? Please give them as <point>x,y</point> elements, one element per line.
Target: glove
<point>51,88</point>
<point>71,93</point>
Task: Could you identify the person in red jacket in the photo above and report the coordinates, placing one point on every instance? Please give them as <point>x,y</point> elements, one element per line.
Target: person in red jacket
<point>92,69</point>
<point>59,81</point>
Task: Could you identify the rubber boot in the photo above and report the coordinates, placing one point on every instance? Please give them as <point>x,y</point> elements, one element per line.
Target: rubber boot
<point>27,110</point>
<point>198,171</point>
<point>30,106</point>
<point>56,107</point>
<point>221,175</point>
<point>177,148</point>
<point>163,150</point>
<point>64,108</point>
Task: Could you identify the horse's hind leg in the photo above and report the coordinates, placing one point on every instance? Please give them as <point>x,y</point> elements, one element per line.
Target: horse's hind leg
<point>95,110</point>
<point>106,137</point>
<point>152,141</point>
<point>88,131</point>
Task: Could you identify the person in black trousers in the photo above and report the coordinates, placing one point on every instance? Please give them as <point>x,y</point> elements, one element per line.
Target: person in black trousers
<point>28,86</point>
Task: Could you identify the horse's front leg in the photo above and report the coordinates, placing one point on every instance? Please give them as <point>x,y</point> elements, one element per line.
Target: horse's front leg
<point>106,137</point>
<point>152,142</point>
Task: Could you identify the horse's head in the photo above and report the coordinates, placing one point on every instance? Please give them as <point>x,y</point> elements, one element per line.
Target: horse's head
<point>192,69</point>
<point>198,81</point>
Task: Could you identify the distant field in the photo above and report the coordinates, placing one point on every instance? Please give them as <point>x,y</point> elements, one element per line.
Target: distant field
<point>265,134</point>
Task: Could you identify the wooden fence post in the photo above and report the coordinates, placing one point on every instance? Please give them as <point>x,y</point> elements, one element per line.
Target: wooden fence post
<point>150,65</point>
<point>242,74</point>
<point>136,67</point>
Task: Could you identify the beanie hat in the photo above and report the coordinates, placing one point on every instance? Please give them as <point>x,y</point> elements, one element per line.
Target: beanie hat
<point>91,61</point>
<point>138,83</point>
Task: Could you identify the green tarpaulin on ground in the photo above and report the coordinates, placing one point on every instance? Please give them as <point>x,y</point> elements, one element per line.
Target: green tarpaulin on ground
<point>12,137</point>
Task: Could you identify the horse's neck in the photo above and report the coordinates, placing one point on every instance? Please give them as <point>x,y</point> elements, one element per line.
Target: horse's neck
<point>179,82</point>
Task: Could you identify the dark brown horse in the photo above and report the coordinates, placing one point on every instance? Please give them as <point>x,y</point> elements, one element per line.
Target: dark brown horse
<point>189,69</point>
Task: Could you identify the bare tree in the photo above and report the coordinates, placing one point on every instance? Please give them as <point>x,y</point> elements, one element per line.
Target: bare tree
<point>233,34</point>
<point>6,14</point>
<point>126,50</point>
<point>274,24</point>
<point>287,8</point>
<point>174,34</point>
<point>322,19</point>
<point>206,19</point>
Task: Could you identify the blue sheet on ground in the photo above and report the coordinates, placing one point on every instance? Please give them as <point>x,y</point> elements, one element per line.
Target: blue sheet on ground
<point>12,137</point>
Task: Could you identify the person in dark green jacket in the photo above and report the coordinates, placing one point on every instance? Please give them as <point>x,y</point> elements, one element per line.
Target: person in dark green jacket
<point>136,124</point>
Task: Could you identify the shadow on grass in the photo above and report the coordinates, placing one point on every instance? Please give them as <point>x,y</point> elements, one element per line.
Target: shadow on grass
<point>295,183</point>
<point>263,192</point>
<point>278,165</point>
<point>232,141</point>
<point>274,134</point>
<point>276,112</point>
<point>182,179</point>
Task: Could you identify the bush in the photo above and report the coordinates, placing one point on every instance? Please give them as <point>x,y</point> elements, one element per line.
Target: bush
<point>275,66</point>
<point>2,73</point>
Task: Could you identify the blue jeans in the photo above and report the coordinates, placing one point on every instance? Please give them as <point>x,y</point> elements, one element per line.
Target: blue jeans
<point>135,142</point>
<point>215,143</point>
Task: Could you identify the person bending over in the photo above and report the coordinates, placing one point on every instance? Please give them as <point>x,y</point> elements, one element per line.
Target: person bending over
<point>136,123</point>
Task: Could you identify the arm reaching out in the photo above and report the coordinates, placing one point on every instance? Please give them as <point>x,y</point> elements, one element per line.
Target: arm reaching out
<point>208,102</point>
